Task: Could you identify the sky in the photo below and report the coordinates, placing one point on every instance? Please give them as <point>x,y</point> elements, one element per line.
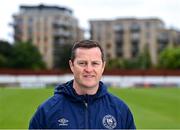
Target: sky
<point>85,10</point>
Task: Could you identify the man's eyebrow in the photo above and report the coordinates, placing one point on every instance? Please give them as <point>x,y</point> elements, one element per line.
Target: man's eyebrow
<point>81,60</point>
<point>96,61</point>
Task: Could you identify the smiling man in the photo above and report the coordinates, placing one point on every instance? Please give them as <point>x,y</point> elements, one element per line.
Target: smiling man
<point>84,102</point>
<point>87,67</point>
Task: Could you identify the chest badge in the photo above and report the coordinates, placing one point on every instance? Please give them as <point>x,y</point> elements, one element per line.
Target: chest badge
<point>109,122</point>
<point>63,122</point>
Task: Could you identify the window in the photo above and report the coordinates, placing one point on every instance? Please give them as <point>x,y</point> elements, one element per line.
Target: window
<point>135,27</point>
<point>135,36</point>
<point>119,49</point>
<point>118,28</point>
<point>135,48</point>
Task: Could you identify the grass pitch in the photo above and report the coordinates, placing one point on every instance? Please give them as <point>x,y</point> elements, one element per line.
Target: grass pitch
<point>152,108</point>
<point>17,105</point>
<point>155,108</point>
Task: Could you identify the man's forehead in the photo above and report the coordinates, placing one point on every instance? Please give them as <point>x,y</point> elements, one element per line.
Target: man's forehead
<point>89,54</point>
<point>88,59</point>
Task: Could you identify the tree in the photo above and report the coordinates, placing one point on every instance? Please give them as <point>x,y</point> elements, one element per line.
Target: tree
<point>3,61</point>
<point>26,56</point>
<point>5,54</point>
<point>62,56</point>
<point>115,63</point>
<point>144,60</point>
<point>169,58</point>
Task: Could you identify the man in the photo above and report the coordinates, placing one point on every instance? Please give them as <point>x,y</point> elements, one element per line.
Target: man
<point>84,102</point>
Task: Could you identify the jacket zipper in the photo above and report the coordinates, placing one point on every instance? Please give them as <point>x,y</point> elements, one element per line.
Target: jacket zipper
<point>86,115</point>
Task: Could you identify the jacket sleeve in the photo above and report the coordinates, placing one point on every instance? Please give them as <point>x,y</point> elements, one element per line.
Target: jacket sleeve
<point>38,120</point>
<point>130,120</point>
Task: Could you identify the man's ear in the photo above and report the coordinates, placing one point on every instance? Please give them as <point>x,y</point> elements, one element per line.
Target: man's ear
<point>104,65</point>
<point>71,65</point>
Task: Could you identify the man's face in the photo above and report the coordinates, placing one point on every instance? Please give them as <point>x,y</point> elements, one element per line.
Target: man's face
<point>87,67</point>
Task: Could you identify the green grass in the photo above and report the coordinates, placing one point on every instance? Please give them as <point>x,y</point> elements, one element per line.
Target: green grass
<point>157,108</point>
<point>152,108</point>
<point>18,105</point>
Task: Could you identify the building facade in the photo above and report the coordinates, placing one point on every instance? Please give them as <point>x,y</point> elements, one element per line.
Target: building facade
<point>47,27</point>
<point>128,37</point>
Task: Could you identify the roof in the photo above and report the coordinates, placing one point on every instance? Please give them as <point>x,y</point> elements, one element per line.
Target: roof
<point>45,7</point>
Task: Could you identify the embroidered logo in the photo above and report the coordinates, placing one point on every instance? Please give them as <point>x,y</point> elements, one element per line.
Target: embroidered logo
<point>109,122</point>
<point>63,122</point>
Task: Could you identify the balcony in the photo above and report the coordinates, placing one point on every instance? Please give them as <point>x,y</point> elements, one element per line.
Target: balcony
<point>65,24</point>
<point>62,33</point>
<point>135,28</point>
<point>118,28</point>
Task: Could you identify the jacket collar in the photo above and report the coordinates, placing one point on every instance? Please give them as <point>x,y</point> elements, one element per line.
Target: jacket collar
<point>68,90</point>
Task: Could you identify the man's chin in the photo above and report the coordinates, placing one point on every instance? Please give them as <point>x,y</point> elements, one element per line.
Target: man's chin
<point>89,85</point>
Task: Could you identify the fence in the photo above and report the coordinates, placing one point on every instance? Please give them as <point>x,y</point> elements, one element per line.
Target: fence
<point>119,78</point>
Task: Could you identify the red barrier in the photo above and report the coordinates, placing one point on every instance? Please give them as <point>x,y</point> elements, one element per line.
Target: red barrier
<point>151,72</point>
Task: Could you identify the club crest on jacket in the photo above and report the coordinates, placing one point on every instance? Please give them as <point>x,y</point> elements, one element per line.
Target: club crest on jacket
<point>109,122</point>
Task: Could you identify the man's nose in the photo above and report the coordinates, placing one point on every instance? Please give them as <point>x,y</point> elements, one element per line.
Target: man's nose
<point>88,68</point>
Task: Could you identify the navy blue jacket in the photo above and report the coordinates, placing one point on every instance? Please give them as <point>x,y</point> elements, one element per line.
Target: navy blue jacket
<point>68,110</point>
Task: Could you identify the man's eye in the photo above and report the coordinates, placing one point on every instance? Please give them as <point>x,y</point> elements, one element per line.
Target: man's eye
<point>82,63</point>
<point>96,63</point>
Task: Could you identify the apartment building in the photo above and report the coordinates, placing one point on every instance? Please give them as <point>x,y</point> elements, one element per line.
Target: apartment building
<point>128,37</point>
<point>47,27</point>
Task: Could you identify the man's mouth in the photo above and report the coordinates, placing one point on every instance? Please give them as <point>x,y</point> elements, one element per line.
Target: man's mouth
<point>88,76</point>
